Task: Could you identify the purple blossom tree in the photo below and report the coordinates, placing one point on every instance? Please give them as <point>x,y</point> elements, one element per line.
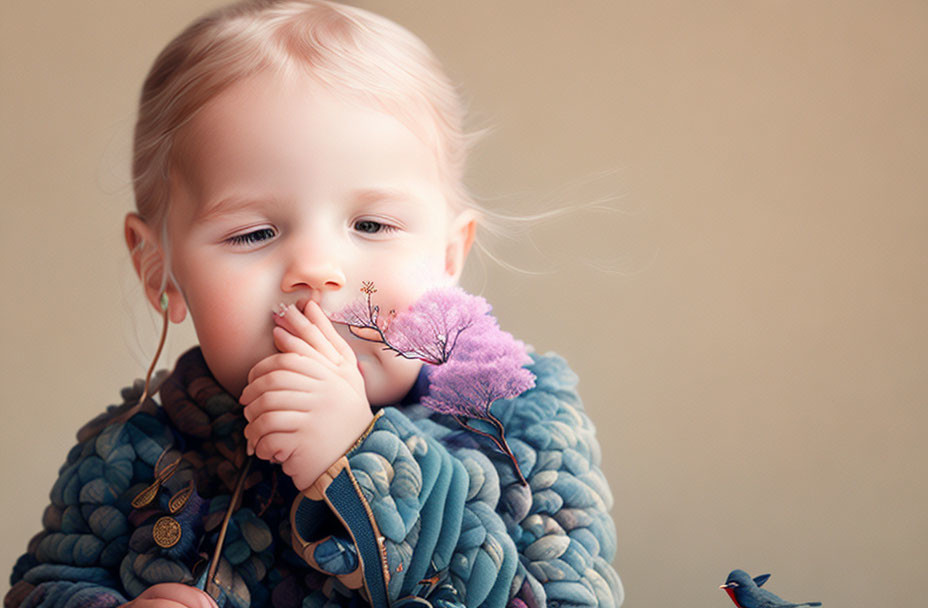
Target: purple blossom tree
<point>477,363</point>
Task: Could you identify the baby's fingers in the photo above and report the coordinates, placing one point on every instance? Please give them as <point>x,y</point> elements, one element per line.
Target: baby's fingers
<point>287,342</point>
<point>273,401</point>
<point>276,380</point>
<point>276,421</point>
<point>296,362</point>
<point>300,326</point>
<point>272,434</point>
<point>274,447</point>
<point>315,314</point>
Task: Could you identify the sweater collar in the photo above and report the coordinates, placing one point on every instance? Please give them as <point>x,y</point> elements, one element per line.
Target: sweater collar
<point>197,404</point>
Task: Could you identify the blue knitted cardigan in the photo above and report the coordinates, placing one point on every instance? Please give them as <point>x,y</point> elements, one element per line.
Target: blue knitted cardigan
<point>418,512</point>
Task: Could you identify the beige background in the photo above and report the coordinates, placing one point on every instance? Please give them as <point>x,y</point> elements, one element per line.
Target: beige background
<point>752,347</point>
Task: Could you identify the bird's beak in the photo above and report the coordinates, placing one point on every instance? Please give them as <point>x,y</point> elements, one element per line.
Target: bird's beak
<point>725,586</point>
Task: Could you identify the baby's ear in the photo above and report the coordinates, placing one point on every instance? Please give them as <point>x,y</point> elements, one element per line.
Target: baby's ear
<point>461,234</point>
<point>149,262</point>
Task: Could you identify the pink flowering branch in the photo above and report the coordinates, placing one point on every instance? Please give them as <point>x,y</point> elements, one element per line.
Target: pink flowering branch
<point>477,363</point>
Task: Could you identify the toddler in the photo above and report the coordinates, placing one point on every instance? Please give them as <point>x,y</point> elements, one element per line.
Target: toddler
<point>287,153</point>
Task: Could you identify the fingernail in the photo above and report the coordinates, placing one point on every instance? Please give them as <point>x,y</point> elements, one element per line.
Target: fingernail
<point>250,450</point>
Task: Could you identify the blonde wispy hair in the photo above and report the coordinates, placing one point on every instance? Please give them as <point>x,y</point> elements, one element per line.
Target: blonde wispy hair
<point>352,52</point>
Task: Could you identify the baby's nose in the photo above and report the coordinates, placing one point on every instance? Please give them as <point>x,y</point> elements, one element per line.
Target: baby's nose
<point>314,267</point>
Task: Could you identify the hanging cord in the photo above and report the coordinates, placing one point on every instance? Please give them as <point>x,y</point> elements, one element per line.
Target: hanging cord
<point>164,332</point>
<point>211,582</point>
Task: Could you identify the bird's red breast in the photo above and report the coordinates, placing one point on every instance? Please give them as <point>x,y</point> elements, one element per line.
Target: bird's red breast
<point>731,593</point>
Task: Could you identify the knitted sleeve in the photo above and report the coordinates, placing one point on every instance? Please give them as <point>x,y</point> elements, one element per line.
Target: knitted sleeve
<point>560,522</point>
<point>432,516</point>
<point>79,558</point>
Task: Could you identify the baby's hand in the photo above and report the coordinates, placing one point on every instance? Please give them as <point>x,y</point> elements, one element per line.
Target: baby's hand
<point>172,595</point>
<point>306,405</point>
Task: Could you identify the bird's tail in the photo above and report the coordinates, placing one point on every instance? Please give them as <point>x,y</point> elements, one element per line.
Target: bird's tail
<point>807,604</point>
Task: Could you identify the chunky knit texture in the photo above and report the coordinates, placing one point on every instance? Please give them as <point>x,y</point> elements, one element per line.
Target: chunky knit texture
<point>419,513</point>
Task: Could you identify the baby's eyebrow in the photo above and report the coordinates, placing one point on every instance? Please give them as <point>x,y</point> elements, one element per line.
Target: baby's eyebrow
<point>373,195</point>
<point>228,205</point>
<point>234,203</point>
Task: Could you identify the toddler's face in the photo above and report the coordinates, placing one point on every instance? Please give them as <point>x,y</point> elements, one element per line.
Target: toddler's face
<point>283,193</point>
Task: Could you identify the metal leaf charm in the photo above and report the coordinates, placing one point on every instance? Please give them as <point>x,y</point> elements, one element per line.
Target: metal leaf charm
<point>147,495</point>
<point>179,500</point>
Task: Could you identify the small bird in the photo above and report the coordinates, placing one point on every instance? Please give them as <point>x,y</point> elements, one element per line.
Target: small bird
<point>745,592</point>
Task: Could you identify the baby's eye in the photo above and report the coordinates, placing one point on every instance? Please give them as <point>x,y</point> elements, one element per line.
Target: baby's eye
<point>372,227</point>
<point>250,238</point>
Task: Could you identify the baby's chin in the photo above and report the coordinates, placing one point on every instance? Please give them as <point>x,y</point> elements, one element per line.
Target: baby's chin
<point>233,383</point>
<point>232,375</point>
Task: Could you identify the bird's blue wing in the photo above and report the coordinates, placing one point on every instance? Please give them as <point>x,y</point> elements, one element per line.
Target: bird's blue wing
<point>760,580</point>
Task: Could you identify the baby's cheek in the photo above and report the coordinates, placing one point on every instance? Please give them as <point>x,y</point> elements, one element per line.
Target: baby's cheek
<point>358,346</point>
<point>387,378</point>
<point>391,378</point>
<point>232,346</point>
<point>426,269</point>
